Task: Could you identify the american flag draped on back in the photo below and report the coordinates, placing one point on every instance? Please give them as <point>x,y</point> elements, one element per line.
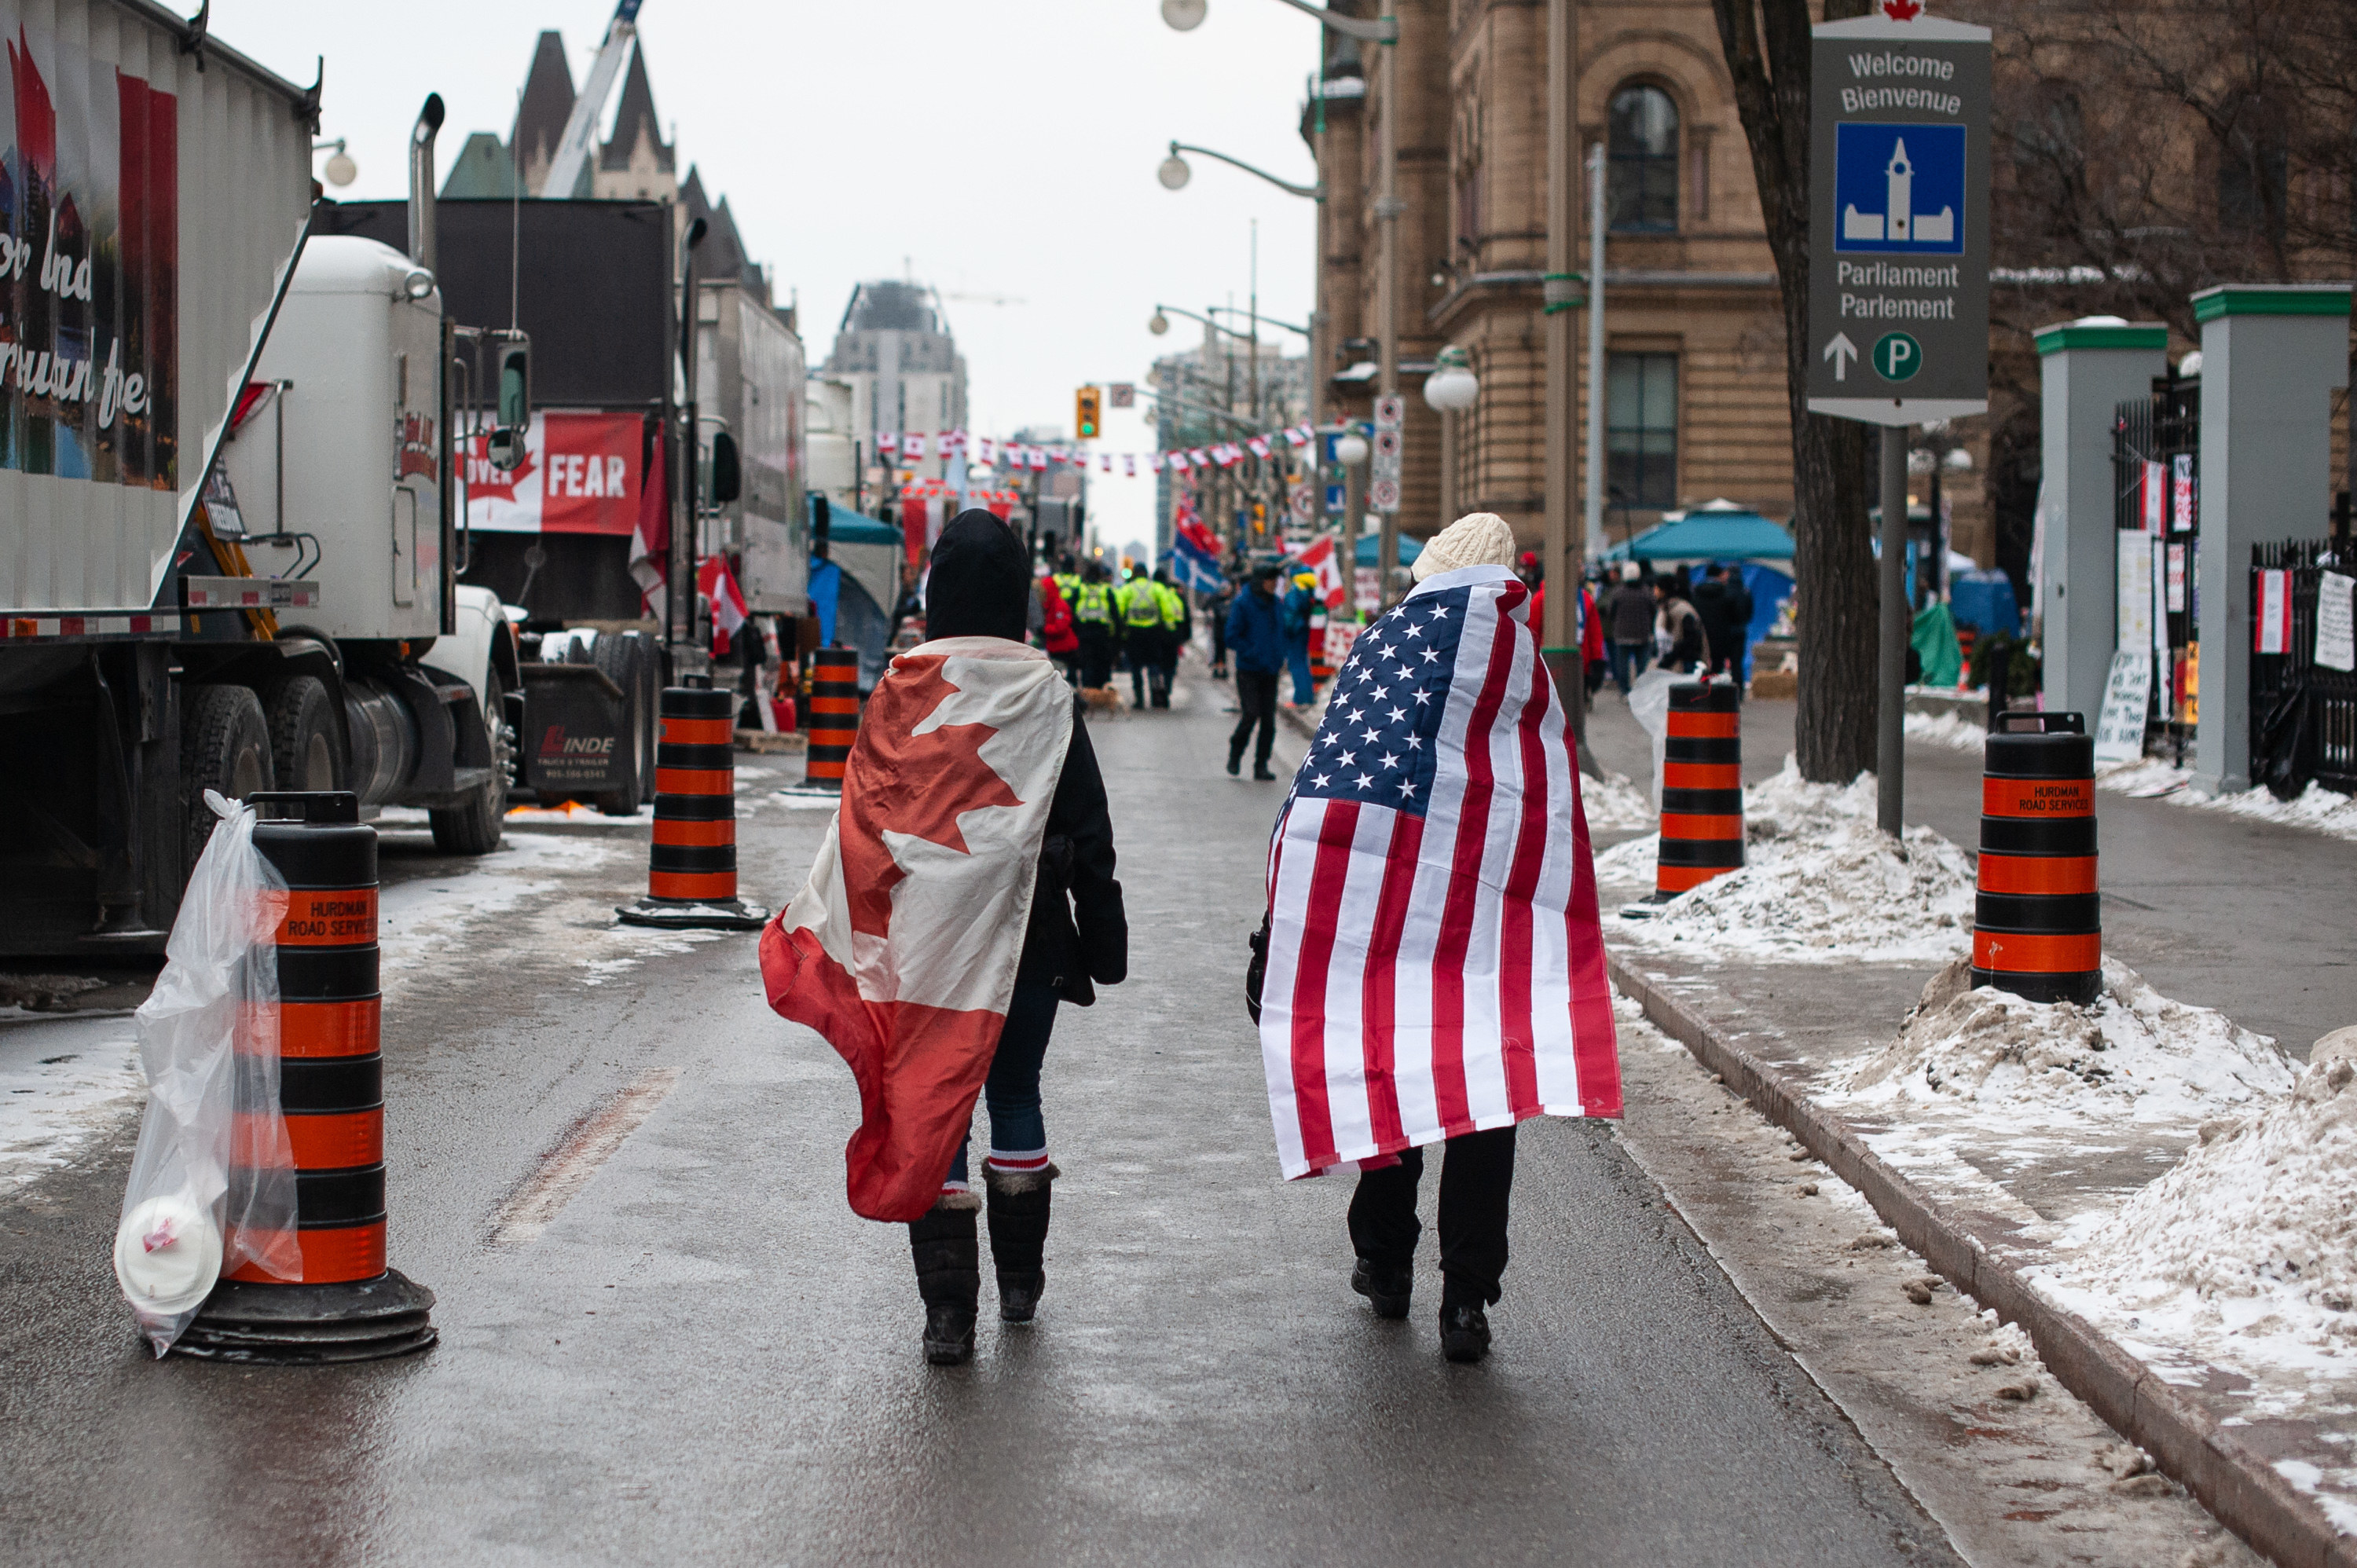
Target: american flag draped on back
<point>1435,963</point>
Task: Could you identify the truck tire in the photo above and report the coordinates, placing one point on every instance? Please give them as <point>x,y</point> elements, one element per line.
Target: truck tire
<point>307,748</point>
<point>623,661</point>
<point>224,746</point>
<point>475,827</point>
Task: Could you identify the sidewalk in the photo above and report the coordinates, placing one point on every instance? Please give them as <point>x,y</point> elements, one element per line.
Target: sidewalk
<point>2250,919</point>
<point>2157,1197</point>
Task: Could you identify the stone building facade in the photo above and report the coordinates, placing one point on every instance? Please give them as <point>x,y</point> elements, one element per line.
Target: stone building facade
<point>1694,395</point>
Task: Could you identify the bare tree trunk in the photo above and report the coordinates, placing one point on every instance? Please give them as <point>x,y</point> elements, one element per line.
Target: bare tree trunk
<point>1767,48</point>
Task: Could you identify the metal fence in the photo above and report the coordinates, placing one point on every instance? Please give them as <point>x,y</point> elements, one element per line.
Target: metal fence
<point>2303,716</point>
<point>2156,474</point>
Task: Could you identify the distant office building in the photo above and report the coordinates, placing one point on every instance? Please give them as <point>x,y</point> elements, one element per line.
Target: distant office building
<point>905,374</point>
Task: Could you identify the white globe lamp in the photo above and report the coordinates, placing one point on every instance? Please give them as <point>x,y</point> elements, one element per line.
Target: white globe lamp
<point>1452,386</point>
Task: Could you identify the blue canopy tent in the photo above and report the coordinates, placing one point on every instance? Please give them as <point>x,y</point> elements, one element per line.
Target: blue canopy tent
<point>1722,530</point>
<point>1369,543</point>
<point>863,563</point>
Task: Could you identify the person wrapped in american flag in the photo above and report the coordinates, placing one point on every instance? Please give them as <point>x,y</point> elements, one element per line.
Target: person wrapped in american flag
<point>966,887</point>
<point>1433,969</point>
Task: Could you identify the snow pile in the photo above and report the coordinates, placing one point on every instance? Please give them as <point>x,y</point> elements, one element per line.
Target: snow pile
<point>2316,808</point>
<point>1952,730</point>
<point>1820,883</point>
<point>1614,802</point>
<point>2132,1055</point>
<point>2244,1252</point>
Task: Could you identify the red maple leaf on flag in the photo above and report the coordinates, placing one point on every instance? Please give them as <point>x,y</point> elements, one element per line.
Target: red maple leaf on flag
<point>1901,10</point>
<point>909,783</point>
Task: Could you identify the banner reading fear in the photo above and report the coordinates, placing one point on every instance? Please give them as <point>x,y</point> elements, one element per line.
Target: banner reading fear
<point>581,473</point>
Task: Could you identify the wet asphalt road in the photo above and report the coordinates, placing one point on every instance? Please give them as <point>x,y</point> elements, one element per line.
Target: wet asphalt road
<point>704,1356</point>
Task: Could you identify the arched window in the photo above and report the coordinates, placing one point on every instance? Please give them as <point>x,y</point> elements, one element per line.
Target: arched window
<point>1642,150</point>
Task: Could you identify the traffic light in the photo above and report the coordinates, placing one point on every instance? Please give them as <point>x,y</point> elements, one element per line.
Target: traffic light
<point>1085,403</point>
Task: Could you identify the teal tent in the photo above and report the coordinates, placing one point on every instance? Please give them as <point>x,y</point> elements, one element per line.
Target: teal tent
<point>1708,534</point>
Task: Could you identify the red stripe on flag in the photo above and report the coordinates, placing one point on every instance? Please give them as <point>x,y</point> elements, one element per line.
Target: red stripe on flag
<point>1378,999</point>
<point>1327,875</point>
<point>1457,911</point>
<point>1595,1053</point>
<point>1514,978</point>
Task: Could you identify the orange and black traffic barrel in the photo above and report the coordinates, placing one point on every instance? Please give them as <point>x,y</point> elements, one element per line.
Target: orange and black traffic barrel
<point>1702,787</point>
<point>1321,669</point>
<point>692,864</point>
<point>345,1305</point>
<point>2037,928</point>
<point>834,717</point>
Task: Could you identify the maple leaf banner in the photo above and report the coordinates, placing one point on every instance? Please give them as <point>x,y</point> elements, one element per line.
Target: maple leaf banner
<point>901,948</point>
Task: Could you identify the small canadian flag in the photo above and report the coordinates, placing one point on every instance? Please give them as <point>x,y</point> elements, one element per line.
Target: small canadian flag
<point>1901,10</point>
<point>1129,465</point>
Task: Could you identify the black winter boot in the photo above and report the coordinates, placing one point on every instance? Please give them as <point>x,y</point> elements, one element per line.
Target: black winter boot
<point>1464,1331</point>
<point>948,1277</point>
<point>1018,1238</point>
<point>1387,1290</point>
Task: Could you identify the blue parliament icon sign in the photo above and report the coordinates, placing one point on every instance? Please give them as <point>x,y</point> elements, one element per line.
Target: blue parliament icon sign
<point>1899,188</point>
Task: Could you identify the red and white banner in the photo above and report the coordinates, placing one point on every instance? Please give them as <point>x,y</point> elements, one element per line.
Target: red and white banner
<point>912,448</point>
<point>901,948</point>
<point>2271,627</point>
<point>887,442</point>
<point>581,473</point>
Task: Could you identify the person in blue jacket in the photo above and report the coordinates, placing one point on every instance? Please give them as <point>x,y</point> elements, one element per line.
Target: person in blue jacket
<point>1300,605</point>
<point>1256,643</point>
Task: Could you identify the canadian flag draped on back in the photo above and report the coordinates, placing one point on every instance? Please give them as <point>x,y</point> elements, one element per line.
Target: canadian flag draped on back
<point>901,949</point>
<point>1435,963</point>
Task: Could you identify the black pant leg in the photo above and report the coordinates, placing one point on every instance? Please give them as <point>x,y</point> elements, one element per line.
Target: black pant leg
<point>1384,1227</point>
<point>1477,1177</point>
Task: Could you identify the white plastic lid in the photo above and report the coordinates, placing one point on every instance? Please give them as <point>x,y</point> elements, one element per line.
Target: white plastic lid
<point>168,1254</point>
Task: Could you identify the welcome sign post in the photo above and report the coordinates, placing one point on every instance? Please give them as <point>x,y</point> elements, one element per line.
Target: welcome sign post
<point>1899,264</point>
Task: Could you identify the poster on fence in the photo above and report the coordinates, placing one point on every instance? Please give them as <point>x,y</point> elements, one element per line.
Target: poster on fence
<point>2134,603</point>
<point>2336,626</point>
<point>2271,622</point>
<point>2127,694</point>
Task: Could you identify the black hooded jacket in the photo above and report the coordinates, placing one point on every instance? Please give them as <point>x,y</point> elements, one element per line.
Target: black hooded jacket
<point>1079,936</point>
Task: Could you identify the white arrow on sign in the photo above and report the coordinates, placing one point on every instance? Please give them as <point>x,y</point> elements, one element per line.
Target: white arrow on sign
<point>1841,352</point>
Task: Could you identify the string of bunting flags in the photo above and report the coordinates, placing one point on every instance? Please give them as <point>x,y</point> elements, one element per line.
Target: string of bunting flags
<point>913,447</point>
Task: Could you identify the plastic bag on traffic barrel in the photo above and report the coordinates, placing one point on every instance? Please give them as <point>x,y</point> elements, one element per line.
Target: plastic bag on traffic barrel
<point>212,1181</point>
<point>1649,702</point>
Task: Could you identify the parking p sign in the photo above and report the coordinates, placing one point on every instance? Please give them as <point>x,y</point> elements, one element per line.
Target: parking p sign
<point>1898,239</point>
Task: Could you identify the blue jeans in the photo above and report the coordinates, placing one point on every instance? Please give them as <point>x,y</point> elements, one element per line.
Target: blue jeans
<point>1297,659</point>
<point>1018,1132</point>
<point>1629,662</point>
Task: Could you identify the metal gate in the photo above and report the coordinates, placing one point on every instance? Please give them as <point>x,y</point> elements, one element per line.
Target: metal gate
<point>2303,716</point>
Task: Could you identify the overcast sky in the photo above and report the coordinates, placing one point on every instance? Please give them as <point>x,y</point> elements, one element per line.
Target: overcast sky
<point>1006,148</point>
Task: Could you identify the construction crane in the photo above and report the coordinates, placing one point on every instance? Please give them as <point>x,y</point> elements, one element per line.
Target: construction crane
<point>581,126</point>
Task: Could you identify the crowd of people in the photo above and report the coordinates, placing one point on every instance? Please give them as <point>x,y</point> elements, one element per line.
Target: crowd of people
<point>1693,628</point>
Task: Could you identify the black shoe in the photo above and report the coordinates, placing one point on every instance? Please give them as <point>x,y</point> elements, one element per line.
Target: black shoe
<point>1019,1209</point>
<point>1388,1292</point>
<point>1235,763</point>
<point>1260,774</point>
<point>949,1334</point>
<point>948,1255</point>
<point>1464,1333</point>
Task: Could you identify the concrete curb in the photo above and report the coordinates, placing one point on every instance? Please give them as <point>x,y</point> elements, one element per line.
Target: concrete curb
<point>2188,1444</point>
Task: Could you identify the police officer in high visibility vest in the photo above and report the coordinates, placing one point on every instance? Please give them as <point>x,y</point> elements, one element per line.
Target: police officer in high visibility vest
<point>1093,619</point>
<point>1173,633</point>
<point>1141,635</point>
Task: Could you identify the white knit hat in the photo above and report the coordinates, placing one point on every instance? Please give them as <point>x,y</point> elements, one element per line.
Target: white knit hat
<point>1477,539</point>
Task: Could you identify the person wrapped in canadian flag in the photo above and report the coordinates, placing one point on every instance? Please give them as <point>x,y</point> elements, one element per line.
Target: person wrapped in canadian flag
<point>966,888</point>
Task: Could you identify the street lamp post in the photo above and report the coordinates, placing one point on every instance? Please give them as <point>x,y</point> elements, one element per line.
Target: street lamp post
<point>1450,390</point>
